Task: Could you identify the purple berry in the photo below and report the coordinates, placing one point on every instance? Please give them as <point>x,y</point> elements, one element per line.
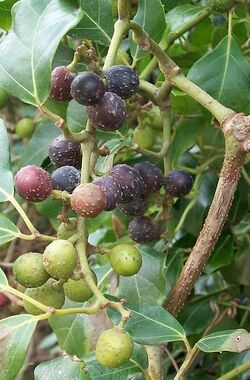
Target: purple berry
<point>87,88</point>
<point>112,191</point>
<point>178,183</point>
<point>130,181</point>
<point>122,80</point>
<point>64,152</point>
<point>109,114</point>
<point>135,208</point>
<point>142,230</point>
<point>61,79</point>
<point>152,176</point>
<point>65,178</point>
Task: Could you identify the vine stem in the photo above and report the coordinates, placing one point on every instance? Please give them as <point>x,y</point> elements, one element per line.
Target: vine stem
<point>235,372</point>
<point>186,363</point>
<point>155,368</point>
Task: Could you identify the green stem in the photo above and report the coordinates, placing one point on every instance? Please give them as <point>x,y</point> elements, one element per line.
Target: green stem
<point>166,139</point>
<point>23,296</point>
<point>186,364</point>
<point>155,369</point>
<point>235,372</point>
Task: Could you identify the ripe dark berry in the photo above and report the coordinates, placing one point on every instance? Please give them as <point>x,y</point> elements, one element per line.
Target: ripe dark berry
<point>88,200</point>
<point>135,208</point>
<point>64,152</point>
<point>178,183</point>
<point>29,271</point>
<point>125,259</point>
<point>109,114</point>
<point>142,230</point>
<point>65,178</point>
<point>61,79</point>
<point>112,190</point>
<point>33,183</point>
<point>152,176</point>
<point>130,181</point>
<point>122,80</point>
<point>87,88</point>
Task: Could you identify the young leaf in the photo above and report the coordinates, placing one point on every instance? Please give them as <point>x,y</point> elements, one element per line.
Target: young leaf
<point>3,278</point>
<point>15,335</point>
<point>37,29</point>
<point>6,177</point>
<point>228,340</point>
<point>8,230</point>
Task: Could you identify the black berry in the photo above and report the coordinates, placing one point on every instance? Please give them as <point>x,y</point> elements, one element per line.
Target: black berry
<point>109,114</point>
<point>65,178</point>
<point>135,208</point>
<point>33,183</point>
<point>130,181</point>
<point>142,230</point>
<point>178,183</point>
<point>64,152</point>
<point>88,200</point>
<point>61,79</point>
<point>152,176</point>
<point>112,191</point>
<point>122,80</point>
<point>87,88</point>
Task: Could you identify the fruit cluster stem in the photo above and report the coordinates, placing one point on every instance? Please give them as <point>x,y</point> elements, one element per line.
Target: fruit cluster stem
<point>155,369</point>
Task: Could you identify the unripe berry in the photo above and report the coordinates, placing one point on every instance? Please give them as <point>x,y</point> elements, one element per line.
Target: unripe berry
<point>144,136</point>
<point>48,294</point>
<point>114,347</point>
<point>178,183</point>
<point>122,80</point>
<point>60,258</point>
<point>142,230</point>
<point>67,229</point>
<point>88,200</point>
<point>111,189</point>
<point>29,270</point>
<point>109,114</point>
<point>33,183</point>
<point>78,291</point>
<point>65,178</point>
<point>61,79</point>
<point>125,259</point>
<point>152,176</point>
<point>25,128</point>
<point>87,88</point>
<point>135,208</point>
<point>222,5</point>
<point>3,98</point>
<point>130,181</point>
<point>155,118</point>
<point>64,152</point>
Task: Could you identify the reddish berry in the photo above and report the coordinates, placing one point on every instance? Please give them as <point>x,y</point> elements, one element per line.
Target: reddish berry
<point>87,88</point>
<point>178,183</point>
<point>65,178</point>
<point>111,189</point>
<point>130,181</point>
<point>152,176</point>
<point>64,152</point>
<point>3,300</point>
<point>61,79</point>
<point>33,183</point>
<point>122,80</point>
<point>88,200</point>
<point>142,230</point>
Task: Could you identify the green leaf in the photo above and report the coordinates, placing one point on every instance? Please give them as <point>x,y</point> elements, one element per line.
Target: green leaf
<point>3,279</point>
<point>6,177</point>
<point>76,116</point>
<point>195,318</point>
<point>8,230</point>
<point>228,340</point>
<point>50,209</point>
<point>36,150</point>
<point>222,254</point>
<point>5,13</point>
<point>61,368</point>
<point>15,335</point>
<point>230,361</point>
<point>97,22</point>
<point>181,15</point>
<point>225,74</point>
<point>172,269</point>
<point>151,17</point>
<point>27,51</point>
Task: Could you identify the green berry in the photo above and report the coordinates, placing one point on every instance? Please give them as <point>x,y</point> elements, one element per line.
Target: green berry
<point>155,117</point>
<point>79,290</point>
<point>3,98</point>
<point>144,136</point>
<point>66,230</point>
<point>25,128</point>
<point>47,294</point>
<point>29,271</point>
<point>114,347</point>
<point>125,259</point>
<point>60,258</point>
<point>222,6</point>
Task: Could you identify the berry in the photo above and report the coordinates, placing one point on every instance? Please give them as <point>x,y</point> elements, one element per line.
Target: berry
<point>152,176</point>
<point>65,178</point>
<point>109,114</point>
<point>142,230</point>
<point>144,136</point>
<point>111,189</point>
<point>125,259</point>
<point>48,294</point>
<point>178,183</point>
<point>122,80</point>
<point>88,200</point>
<point>87,88</point>
<point>33,183</point>
<point>3,300</point>
<point>64,152</point>
<point>29,271</point>
<point>222,5</point>
<point>60,258</point>
<point>25,128</point>
<point>3,98</point>
<point>135,208</point>
<point>61,79</point>
<point>78,291</point>
<point>66,230</point>
<point>114,347</point>
<point>155,117</point>
<point>130,181</point>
